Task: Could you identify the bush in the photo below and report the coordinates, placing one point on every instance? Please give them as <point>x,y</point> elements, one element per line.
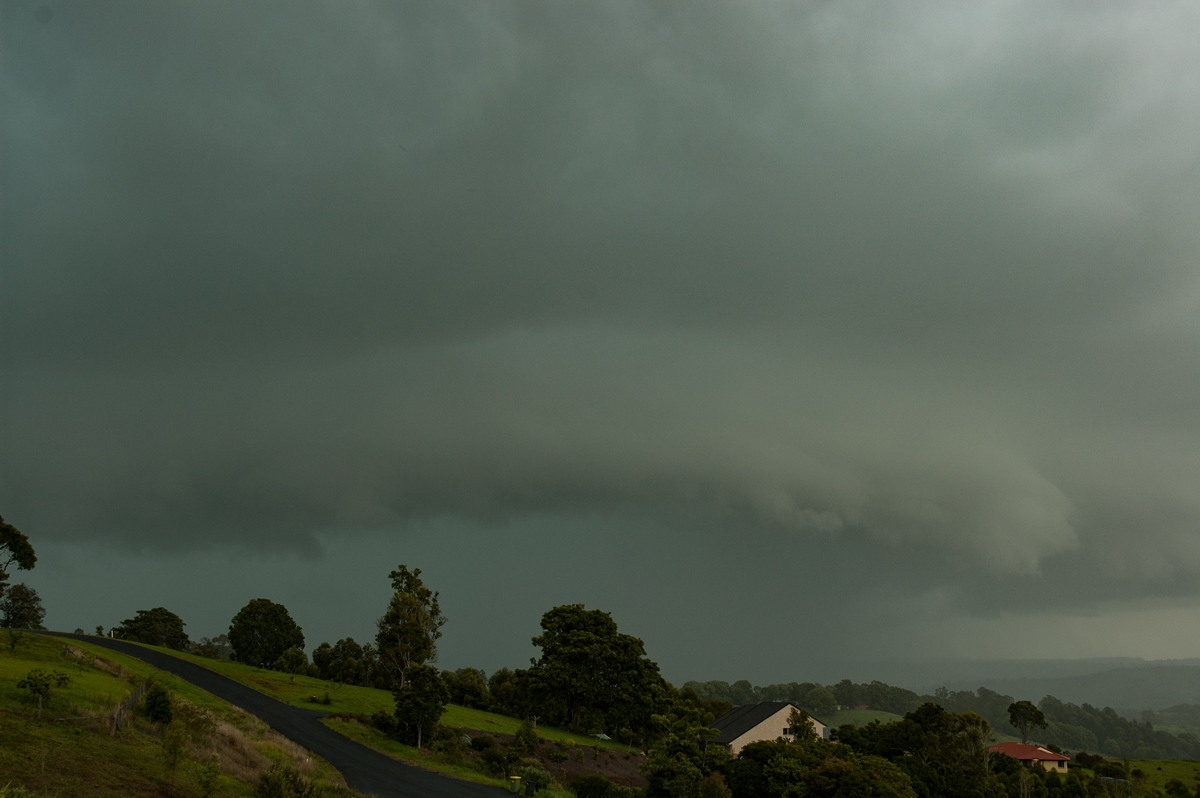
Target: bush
<point>526,739</point>
<point>157,706</point>
<point>450,745</point>
<point>500,762</point>
<point>40,683</point>
<point>284,782</point>
<point>293,661</point>
<point>591,786</point>
<point>533,778</point>
<point>483,742</point>
<point>385,722</point>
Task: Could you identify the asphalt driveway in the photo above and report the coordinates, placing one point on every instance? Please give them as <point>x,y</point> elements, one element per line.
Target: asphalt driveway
<point>365,770</point>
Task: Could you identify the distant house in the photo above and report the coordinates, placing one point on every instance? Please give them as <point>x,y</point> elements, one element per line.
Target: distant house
<point>751,723</point>
<point>1030,755</point>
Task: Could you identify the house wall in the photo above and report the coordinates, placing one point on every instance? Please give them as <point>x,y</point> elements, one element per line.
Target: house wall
<point>1053,765</point>
<point>772,729</point>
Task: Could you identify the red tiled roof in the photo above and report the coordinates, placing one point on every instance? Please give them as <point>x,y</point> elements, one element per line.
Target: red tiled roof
<point>1024,753</point>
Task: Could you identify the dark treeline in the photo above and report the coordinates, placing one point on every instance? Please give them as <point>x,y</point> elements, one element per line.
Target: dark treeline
<point>1070,726</point>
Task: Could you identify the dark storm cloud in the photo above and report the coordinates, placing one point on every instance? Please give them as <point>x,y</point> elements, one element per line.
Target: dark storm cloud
<point>913,278</point>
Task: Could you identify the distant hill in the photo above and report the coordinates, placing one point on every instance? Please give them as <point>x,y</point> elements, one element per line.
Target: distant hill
<point>1153,685</point>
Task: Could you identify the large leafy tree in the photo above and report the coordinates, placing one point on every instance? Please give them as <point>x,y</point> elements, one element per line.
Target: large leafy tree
<point>21,608</point>
<point>262,631</point>
<point>15,549</point>
<point>468,688</point>
<point>420,702</point>
<point>345,661</point>
<point>1025,716</point>
<point>944,753</point>
<point>816,769</point>
<point>591,673</point>
<point>410,627</point>
<point>155,627</point>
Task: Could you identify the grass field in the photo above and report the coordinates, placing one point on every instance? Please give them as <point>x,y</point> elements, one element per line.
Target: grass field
<point>69,751</point>
<point>300,690</point>
<point>1160,771</point>
<point>857,717</point>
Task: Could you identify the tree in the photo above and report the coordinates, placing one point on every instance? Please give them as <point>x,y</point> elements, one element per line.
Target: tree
<point>344,662</point>
<point>816,769</point>
<point>21,608</point>
<point>1025,716</point>
<point>156,627</point>
<point>41,682</point>
<point>410,627</point>
<point>262,631</point>
<point>943,753</point>
<point>157,705</point>
<point>679,759</point>
<point>468,688</point>
<point>291,661</point>
<point>14,548</point>
<point>800,726</point>
<point>509,692</point>
<point>212,647</point>
<point>820,701</point>
<point>420,703</point>
<point>590,672</point>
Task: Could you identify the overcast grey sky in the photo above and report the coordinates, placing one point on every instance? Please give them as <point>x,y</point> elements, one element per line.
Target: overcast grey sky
<point>795,335</point>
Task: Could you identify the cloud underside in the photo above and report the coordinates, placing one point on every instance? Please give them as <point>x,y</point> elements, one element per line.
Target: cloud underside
<point>924,281</point>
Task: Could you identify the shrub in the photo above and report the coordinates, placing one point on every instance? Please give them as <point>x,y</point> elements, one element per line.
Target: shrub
<point>450,745</point>
<point>483,742</point>
<point>156,705</point>
<point>284,782</point>
<point>500,762</point>
<point>41,682</point>
<point>385,722</point>
<point>526,738</point>
<point>591,786</point>
<point>534,777</point>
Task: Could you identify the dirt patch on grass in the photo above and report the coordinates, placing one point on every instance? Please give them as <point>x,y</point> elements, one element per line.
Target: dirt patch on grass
<point>565,762</point>
<point>90,659</point>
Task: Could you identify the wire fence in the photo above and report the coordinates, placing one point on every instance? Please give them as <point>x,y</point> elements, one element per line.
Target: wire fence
<point>120,715</point>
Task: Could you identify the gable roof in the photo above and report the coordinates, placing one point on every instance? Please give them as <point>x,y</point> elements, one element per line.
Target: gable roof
<point>1025,753</point>
<point>739,720</point>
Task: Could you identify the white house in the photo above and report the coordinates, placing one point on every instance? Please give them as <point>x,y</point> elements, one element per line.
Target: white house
<point>751,723</point>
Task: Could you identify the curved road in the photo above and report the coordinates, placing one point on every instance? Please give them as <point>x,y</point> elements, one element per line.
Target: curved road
<point>365,770</point>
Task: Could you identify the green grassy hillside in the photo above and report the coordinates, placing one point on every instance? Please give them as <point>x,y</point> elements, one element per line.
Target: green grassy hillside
<point>1159,771</point>
<point>342,701</point>
<point>857,717</point>
<point>210,749</point>
<point>312,693</point>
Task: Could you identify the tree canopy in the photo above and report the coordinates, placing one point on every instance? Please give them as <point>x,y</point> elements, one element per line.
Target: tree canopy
<point>155,627</point>
<point>14,548</point>
<point>589,673</point>
<point>262,631</point>
<point>420,702</point>
<point>410,627</point>
<point>21,608</point>
<point>1025,716</point>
